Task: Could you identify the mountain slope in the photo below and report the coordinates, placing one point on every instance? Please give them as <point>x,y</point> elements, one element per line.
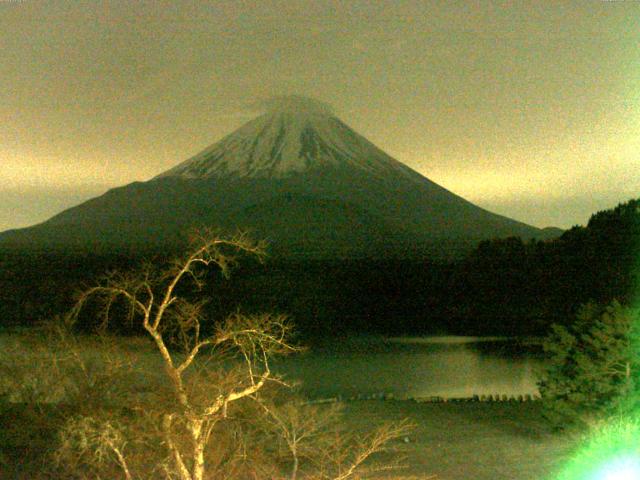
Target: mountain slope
<point>297,176</point>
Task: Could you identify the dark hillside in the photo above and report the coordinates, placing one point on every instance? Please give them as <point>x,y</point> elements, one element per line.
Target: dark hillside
<point>538,282</point>
<point>504,287</point>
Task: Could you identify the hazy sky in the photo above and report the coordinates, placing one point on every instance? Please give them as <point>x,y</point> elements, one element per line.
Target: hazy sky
<point>529,109</point>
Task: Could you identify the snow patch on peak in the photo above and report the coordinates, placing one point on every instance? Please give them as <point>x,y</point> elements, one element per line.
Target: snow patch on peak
<point>296,134</point>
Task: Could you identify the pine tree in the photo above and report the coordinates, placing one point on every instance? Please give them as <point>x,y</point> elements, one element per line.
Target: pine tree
<point>593,368</point>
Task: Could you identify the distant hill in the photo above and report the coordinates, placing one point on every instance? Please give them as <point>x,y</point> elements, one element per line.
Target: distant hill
<point>529,285</point>
<point>298,177</point>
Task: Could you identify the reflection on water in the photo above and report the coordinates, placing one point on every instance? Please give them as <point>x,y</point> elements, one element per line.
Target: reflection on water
<point>448,367</point>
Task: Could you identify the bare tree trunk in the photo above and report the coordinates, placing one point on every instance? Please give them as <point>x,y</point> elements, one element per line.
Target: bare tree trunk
<point>294,466</point>
<point>195,427</point>
<point>177,456</point>
<point>123,463</point>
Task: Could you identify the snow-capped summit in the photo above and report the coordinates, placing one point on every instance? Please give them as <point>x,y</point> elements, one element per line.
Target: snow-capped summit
<point>296,134</point>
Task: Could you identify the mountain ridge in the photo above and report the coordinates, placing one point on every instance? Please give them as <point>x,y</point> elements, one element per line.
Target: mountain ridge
<point>298,176</point>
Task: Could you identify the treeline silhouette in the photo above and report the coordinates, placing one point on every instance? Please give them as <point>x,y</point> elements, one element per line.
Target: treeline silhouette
<point>537,283</point>
<point>502,287</point>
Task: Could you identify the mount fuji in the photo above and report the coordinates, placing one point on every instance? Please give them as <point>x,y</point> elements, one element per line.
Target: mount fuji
<point>296,176</point>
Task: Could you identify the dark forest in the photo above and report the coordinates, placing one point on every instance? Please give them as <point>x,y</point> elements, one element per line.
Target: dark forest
<point>503,287</point>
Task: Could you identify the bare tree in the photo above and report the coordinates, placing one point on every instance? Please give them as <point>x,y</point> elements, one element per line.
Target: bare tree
<point>298,425</point>
<point>207,375</point>
<point>152,297</point>
<point>87,440</point>
<point>320,447</point>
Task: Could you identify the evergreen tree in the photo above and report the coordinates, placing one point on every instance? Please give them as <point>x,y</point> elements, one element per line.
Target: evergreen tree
<point>593,368</point>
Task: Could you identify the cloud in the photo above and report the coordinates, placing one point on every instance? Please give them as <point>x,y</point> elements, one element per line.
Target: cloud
<point>275,104</point>
<point>293,103</point>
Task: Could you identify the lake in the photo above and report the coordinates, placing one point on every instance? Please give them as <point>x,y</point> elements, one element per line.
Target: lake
<point>359,367</point>
<point>417,367</point>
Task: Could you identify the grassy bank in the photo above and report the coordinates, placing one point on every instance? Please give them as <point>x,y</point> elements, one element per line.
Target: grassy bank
<point>456,441</point>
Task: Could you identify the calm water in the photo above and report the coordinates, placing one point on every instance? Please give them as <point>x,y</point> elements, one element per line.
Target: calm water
<point>449,367</point>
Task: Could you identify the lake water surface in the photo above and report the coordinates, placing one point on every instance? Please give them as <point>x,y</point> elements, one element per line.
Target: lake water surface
<point>417,367</point>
